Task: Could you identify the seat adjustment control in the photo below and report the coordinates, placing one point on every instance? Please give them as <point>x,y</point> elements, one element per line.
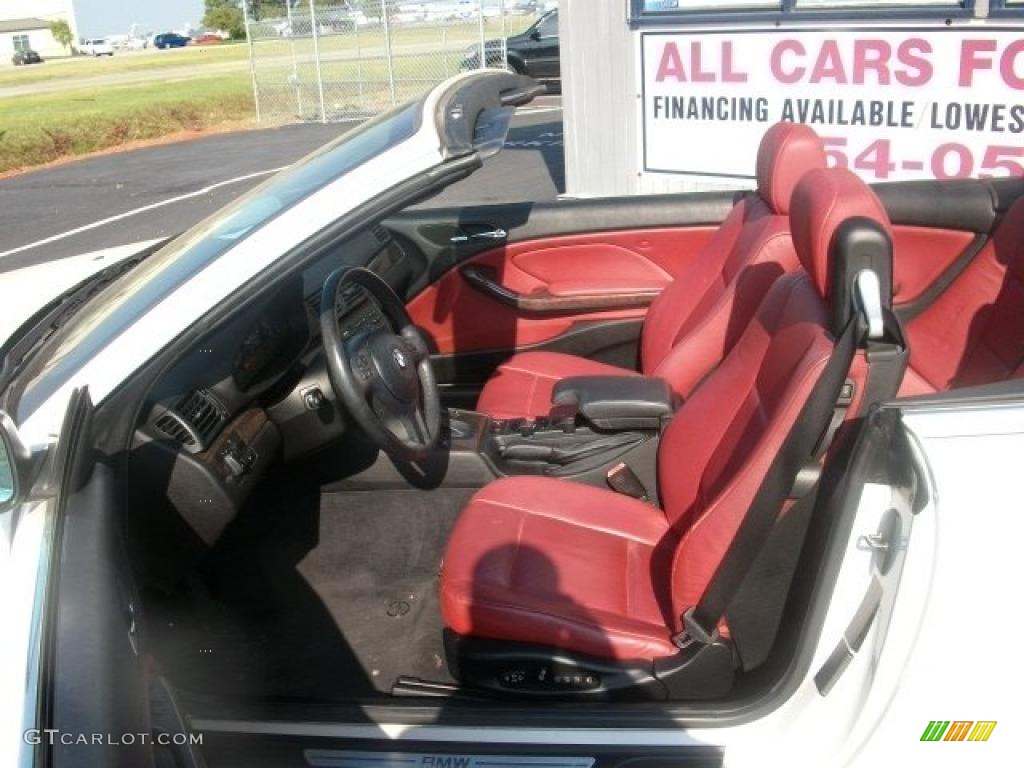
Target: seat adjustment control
<point>543,677</point>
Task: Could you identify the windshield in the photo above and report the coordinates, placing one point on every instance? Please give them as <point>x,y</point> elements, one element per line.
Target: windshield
<point>109,313</point>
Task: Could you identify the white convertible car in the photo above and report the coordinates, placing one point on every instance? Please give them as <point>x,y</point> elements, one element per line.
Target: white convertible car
<point>726,478</point>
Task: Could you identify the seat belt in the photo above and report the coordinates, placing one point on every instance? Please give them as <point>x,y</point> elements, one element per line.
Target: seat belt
<point>700,622</point>
<point>887,358</point>
<point>805,444</point>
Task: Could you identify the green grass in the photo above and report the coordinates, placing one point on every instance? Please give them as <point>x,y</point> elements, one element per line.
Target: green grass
<point>457,37</point>
<point>45,127</point>
<point>42,127</point>
<point>86,66</point>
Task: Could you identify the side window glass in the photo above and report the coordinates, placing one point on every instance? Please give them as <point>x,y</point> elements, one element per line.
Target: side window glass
<point>549,27</point>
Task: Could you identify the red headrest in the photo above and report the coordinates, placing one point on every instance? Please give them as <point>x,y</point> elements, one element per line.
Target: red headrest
<point>787,152</point>
<point>823,200</point>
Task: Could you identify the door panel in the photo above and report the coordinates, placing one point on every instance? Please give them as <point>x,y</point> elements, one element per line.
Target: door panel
<point>460,318</point>
<point>562,249</point>
<point>937,226</point>
<point>566,248</point>
<point>447,236</point>
<point>921,255</point>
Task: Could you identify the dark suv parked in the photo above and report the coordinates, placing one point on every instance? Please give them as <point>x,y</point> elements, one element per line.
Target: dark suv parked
<point>533,52</point>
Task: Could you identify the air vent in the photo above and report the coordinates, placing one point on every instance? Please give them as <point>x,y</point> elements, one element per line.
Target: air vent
<point>381,233</point>
<point>194,421</point>
<point>204,413</point>
<point>170,424</point>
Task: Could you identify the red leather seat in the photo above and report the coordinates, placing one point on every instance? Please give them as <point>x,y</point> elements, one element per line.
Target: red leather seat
<point>973,333</point>
<point>583,569</point>
<point>698,318</point>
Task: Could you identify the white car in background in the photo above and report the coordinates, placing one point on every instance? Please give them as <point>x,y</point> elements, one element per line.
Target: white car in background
<point>158,611</point>
<point>97,46</point>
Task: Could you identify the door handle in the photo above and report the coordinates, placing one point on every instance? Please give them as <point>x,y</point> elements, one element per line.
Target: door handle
<point>885,543</point>
<point>542,302</point>
<point>491,234</point>
<point>876,542</point>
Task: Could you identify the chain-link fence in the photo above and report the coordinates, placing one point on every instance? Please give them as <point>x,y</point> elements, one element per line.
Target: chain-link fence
<point>332,60</point>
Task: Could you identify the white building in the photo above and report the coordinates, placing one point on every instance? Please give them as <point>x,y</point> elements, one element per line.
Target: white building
<point>26,24</point>
<point>27,34</point>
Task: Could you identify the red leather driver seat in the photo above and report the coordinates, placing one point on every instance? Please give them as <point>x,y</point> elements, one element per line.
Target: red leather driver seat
<point>697,319</point>
<point>581,569</point>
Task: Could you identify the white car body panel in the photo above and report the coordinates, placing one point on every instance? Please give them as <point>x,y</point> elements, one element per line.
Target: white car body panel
<point>27,289</point>
<point>963,665</point>
<point>23,575</point>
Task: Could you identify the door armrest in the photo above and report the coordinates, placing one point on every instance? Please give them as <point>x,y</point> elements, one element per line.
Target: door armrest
<point>546,302</point>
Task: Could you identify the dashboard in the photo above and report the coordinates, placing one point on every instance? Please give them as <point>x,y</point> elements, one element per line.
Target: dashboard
<point>270,350</point>
<point>271,347</point>
<point>358,312</point>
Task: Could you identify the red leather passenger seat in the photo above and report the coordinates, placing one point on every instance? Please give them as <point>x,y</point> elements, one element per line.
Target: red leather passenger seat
<point>698,318</point>
<point>559,564</point>
<point>973,333</point>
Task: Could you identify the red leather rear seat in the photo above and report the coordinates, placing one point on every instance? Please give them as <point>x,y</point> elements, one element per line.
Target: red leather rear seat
<point>974,332</point>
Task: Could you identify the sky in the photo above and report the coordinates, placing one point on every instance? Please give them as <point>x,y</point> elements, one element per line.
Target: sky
<point>115,17</point>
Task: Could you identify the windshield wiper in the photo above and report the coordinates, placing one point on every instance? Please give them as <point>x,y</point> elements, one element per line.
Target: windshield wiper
<point>25,342</point>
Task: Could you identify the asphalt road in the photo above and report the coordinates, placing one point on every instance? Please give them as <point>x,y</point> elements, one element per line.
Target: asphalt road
<point>159,191</point>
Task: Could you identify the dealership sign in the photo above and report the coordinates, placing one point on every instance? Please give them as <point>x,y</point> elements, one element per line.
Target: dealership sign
<point>907,104</point>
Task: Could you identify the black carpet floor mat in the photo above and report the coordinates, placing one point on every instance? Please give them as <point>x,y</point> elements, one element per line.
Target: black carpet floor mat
<point>327,596</point>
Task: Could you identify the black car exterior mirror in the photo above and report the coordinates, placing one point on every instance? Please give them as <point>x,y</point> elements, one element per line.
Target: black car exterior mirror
<point>535,34</point>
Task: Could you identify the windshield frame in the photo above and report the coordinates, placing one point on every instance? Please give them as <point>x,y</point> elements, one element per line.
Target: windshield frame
<point>98,321</point>
<point>102,358</point>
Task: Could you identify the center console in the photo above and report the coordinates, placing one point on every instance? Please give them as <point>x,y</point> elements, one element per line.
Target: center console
<point>601,430</point>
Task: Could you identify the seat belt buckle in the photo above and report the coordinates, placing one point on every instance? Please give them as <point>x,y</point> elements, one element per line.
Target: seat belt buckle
<point>846,393</point>
<point>693,633</point>
<point>622,479</point>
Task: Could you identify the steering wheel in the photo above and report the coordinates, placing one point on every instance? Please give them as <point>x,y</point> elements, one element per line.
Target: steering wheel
<point>383,376</point>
